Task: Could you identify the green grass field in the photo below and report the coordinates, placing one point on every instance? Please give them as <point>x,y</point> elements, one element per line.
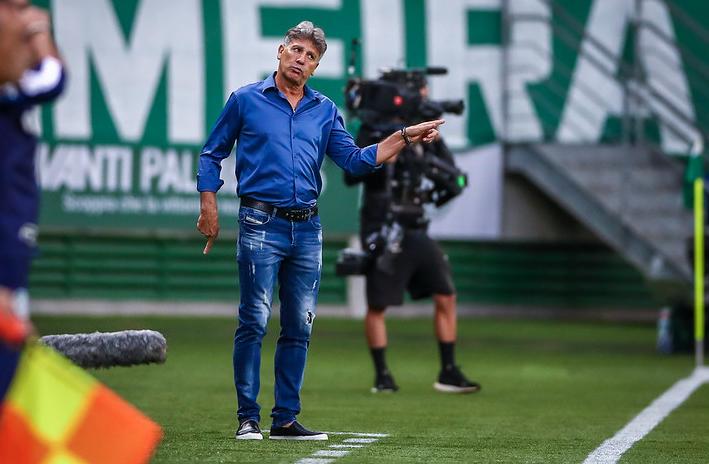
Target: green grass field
<point>552,392</point>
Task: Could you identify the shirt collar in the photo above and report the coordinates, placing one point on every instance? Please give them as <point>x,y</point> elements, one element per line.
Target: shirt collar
<point>270,83</point>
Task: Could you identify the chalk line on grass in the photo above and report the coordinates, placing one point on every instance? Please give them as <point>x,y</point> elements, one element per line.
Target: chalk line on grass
<point>314,461</point>
<point>360,434</point>
<point>360,440</point>
<point>612,449</point>
<point>338,450</point>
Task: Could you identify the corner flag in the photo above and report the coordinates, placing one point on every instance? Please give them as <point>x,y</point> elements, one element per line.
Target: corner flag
<point>56,412</point>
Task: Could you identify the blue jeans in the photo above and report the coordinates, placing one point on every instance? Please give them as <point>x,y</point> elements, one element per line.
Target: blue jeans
<point>270,247</point>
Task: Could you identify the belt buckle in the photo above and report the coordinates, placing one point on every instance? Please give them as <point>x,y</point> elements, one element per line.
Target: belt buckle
<point>299,214</point>
<point>302,214</point>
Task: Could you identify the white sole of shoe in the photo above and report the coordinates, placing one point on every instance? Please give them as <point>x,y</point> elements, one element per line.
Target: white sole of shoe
<point>441,387</point>
<point>320,436</point>
<point>250,436</point>
<point>376,390</point>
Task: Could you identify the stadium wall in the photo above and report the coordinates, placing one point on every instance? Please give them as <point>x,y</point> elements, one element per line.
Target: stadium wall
<point>168,267</point>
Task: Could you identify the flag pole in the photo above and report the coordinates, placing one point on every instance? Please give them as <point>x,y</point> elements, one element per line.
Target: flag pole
<point>698,183</point>
<point>699,270</point>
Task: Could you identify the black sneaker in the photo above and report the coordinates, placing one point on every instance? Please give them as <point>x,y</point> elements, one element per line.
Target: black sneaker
<point>384,383</point>
<point>452,380</point>
<point>295,431</point>
<point>249,430</point>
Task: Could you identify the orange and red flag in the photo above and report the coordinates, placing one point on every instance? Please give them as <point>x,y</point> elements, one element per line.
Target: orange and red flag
<point>56,412</point>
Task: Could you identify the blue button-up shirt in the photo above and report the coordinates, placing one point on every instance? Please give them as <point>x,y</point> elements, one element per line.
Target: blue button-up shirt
<point>279,151</point>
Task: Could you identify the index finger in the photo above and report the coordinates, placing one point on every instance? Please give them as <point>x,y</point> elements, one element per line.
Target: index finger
<point>435,123</point>
<point>208,246</point>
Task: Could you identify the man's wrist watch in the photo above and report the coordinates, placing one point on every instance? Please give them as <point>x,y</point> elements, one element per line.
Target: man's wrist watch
<point>404,136</point>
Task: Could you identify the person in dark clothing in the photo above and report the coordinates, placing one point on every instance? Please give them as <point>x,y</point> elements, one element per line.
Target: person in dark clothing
<point>30,74</point>
<point>393,211</point>
<point>19,192</point>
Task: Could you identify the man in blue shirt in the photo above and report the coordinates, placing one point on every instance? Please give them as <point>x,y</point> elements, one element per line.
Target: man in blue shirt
<point>284,130</point>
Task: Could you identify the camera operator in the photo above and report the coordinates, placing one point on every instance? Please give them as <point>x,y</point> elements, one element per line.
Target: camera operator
<point>394,224</point>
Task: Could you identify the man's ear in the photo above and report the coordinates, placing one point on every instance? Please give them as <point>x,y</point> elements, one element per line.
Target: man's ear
<point>281,47</point>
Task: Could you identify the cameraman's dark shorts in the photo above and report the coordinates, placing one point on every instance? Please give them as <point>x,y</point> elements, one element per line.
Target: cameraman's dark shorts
<point>421,268</point>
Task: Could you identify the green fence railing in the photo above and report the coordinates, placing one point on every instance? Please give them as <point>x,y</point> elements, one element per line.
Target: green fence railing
<point>120,267</point>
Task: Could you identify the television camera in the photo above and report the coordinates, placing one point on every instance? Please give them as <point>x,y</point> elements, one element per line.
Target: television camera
<point>397,95</point>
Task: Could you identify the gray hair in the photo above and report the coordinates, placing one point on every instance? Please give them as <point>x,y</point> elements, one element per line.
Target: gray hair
<point>306,30</point>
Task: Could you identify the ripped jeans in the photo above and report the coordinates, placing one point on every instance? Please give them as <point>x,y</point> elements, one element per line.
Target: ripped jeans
<point>271,248</point>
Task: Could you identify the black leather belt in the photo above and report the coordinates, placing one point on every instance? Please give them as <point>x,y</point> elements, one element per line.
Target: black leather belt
<point>297,215</point>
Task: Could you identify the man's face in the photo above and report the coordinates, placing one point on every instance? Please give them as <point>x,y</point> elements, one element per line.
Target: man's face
<point>297,61</point>
<point>15,50</point>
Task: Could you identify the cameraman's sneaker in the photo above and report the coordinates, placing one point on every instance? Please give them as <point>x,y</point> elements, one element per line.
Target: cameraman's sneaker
<point>249,430</point>
<point>384,383</point>
<point>295,431</point>
<point>452,380</point>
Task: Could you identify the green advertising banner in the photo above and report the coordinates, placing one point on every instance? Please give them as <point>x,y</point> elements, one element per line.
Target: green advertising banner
<point>134,187</point>
<point>147,79</point>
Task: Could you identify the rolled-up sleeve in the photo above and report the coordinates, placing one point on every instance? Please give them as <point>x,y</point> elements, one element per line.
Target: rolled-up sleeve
<point>343,150</point>
<point>218,147</point>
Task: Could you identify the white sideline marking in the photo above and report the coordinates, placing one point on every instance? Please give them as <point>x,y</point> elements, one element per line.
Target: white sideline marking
<point>331,453</point>
<point>327,456</point>
<point>360,434</point>
<point>360,440</point>
<point>612,449</point>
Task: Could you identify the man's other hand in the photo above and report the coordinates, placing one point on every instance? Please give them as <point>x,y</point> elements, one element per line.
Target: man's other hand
<point>425,132</point>
<point>208,221</point>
